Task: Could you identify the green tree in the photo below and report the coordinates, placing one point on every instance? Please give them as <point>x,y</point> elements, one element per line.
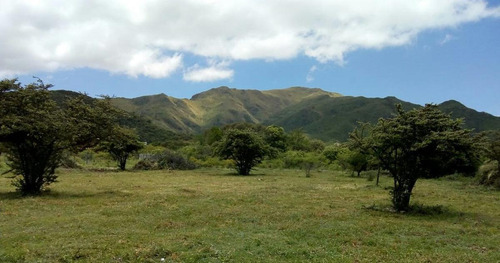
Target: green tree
<point>421,143</point>
<point>34,132</point>
<point>275,138</point>
<point>245,147</point>
<point>120,144</point>
<point>297,140</point>
<point>493,148</point>
<point>331,153</point>
<point>353,160</point>
<point>212,135</point>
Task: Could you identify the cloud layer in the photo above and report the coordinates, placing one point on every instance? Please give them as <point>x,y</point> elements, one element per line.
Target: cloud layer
<point>151,37</point>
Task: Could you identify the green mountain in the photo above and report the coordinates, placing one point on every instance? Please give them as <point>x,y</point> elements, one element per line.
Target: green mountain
<point>216,107</point>
<point>479,121</point>
<point>147,128</point>
<point>332,118</point>
<point>321,114</point>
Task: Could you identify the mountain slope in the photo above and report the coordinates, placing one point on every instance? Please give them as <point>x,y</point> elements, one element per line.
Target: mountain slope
<point>480,121</point>
<point>216,107</point>
<point>146,128</point>
<point>332,118</point>
<point>324,115</point>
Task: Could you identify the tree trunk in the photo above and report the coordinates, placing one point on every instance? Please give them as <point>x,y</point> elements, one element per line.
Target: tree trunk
<point>402,193</point>
<point>378,175</point>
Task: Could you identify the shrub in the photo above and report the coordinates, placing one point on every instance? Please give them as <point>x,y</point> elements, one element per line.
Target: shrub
<point>488,174</point>
<point>165,160</point>
<point>174,161</point>
<point>146,164</point>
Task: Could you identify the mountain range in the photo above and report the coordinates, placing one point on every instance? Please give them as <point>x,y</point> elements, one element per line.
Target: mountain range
<point>321,114</point>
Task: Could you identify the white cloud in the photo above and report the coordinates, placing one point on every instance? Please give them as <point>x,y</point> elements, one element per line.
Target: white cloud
<point>310,76</point>
<point>446,39</point>
<point>150,37</point>
<point>215,71</point>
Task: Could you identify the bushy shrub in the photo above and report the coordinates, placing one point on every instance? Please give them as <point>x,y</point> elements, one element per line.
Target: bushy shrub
<point>146,164</point>
<point>165,160</point>
<point>212,162</point>
<point>488,174</point>
<point>174,161</point>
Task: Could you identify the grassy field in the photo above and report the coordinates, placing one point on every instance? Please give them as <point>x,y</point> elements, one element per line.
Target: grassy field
<point>270,216</point>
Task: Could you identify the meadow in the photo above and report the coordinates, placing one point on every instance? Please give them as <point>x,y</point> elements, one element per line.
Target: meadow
<point>213,215</point>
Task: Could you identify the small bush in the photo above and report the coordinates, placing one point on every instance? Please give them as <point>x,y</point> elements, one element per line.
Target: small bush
<point>488,174</point>
<point>146,164</point>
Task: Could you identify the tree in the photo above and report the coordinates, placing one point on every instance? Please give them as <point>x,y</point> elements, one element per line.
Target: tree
<point>120,144</point>
<point>421,143</point>
<point>275,138</point>
<point>245,147</point>
<point>331,153</point>
<point>493,148</point>
<point>212,135</point>
<point>34,132</point>
<point>354,160</point>
<point>489,172</point>
<point>297,140</point>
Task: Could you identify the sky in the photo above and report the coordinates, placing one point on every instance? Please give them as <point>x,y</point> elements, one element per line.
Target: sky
<point>421,51</point>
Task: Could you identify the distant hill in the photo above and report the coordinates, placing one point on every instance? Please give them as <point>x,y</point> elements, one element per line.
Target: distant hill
<point>479,121</point>
<point>332,118</point>
<point>324,115</point>
<point>146,128</point>
<point>216,107</point>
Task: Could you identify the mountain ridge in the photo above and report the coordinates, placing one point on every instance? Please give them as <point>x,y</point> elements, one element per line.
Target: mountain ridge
<point>322,114</point>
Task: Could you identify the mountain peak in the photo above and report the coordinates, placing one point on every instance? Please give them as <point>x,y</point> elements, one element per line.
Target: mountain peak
<point>453,103</point>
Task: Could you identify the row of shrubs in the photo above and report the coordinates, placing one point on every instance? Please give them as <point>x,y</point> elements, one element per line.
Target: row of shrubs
<point>158,158</point>
<point>166,160</point>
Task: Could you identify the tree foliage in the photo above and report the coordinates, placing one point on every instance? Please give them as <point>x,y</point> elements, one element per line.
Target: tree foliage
<point>245,147</point>
<point>421,143</point>
<point>354,160</point>
<point>493,148</point>
<point>275,138</point>
<point>35,132</point>
<point>120,144</point>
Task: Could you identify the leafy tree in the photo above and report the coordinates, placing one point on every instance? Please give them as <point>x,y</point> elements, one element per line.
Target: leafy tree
<point>316,145</point>
<point>493,148</point>
<point>245,147</point>
<point>275,138</point>
<point>212,135</point>
<point>489,172</point>
<point>421,143</point>
<point>120,144</point>
<point>297,140</point>
<point>331,153</point>
<point>353,160</point>
<point>309,161</point>
<point>34,131</point>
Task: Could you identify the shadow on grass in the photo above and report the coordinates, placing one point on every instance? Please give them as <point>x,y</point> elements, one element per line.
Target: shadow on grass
<point>61,195</point>
<point>418,210</point>
<point>10,196</point>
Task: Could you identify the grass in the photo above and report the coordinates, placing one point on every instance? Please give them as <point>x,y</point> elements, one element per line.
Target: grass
<point>211,215</point>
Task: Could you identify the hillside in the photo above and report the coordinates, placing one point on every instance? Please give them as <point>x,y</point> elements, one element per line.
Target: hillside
<point>323,115</point>
<point>480,121</point>
<point>149,130</point>
<point>216,107</point>
<point>332,118</point>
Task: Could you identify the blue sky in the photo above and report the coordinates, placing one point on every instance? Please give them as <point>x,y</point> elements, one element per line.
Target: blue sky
<point>418,51</point>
